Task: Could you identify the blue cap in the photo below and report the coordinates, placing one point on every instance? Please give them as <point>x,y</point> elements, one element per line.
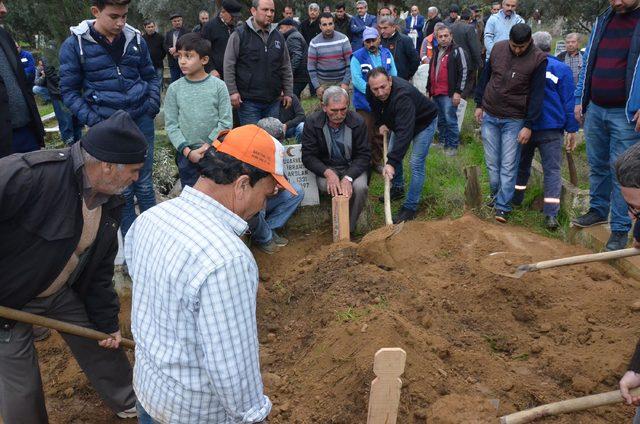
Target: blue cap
<point>369,33</point>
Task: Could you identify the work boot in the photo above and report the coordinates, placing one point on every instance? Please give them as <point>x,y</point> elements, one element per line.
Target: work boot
<point>551,222</point>
<point>397,193</point>
<point>404,215</point>
<point>269,248</point>
<point>589,219</point>
<point>501,216</point>
<point>617,241</point>
<point>278,239</point>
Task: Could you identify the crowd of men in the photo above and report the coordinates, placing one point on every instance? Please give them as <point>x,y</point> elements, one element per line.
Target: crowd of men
<point>233,99</point>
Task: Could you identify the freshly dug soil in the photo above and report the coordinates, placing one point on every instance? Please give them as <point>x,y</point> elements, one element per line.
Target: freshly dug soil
<point>474,339</point>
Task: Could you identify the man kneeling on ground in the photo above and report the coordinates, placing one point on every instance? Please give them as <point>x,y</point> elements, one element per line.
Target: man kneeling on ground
<point>335,147</point>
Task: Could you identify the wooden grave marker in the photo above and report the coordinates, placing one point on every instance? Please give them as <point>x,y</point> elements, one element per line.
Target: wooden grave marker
<point>340,218</point>
<point>388,366</point>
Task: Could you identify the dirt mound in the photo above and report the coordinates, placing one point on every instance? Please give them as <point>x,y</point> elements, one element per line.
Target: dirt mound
<point>474,339</point>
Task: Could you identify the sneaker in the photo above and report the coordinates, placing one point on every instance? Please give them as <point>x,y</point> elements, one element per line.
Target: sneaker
<point>278,239</point>
<point>450,152</point>
<point>129,413</point>
<point>502,216</point>
<point>589,219</point>
<point>551,222</point>
<point>404,215</point>
<point>269,248</point>
<point>617,241</point>
<point>40,333</point>
<point>397,193</point>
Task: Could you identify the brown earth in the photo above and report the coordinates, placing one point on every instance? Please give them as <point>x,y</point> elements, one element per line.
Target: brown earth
<point>474,339</point>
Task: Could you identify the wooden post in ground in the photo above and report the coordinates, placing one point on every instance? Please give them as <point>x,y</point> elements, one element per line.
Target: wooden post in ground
<point>472,189</point>
<point>340,215</point>
<point>388,366</point>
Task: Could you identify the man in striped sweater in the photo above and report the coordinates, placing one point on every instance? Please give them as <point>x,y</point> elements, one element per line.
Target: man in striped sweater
<point>328,57</point>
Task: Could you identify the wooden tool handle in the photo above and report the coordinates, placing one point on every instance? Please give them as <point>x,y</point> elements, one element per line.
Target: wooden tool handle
<point>565,406</point>
<point>573,173</point>
<point>387,184</point>
<point>63,327</point>
<point>581,259</point>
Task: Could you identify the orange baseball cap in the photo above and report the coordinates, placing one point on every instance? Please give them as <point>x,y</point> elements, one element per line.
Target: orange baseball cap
<point>254,146</point>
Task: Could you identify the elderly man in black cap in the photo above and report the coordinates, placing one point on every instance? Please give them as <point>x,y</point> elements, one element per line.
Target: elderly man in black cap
<point>170,40</point>
<point>58,240</point>
<point>217,31</point>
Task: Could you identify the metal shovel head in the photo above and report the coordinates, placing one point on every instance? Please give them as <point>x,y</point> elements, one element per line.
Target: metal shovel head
<point>506,264</point>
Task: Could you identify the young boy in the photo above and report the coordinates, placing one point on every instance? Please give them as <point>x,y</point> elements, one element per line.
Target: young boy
<point>197,107</point>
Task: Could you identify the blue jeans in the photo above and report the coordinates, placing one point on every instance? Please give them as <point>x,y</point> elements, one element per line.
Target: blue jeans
<point>251,112</point>
<point>142,189</point>
<point>70,128</point>
<point>608,134</point>
<point>277,212</point>
<point>187,170</point>
<point>419,152</point>
<point>549,143</point>
<point>176,73</point>
<point>447,122</point>
<point>501,155</point>
<point>295,132</point>
<point>143,416</point>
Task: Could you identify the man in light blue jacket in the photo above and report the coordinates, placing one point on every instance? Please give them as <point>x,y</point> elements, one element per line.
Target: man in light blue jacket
<point>499,25</point>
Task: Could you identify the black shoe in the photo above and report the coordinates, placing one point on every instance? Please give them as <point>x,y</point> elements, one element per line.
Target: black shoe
<point>551,222</point>
<point>397,193</point>
<point>502,216</point>
<point>518,198</point>
<point>404,215</point>
<point>589,219</point>
<point>617,241</point>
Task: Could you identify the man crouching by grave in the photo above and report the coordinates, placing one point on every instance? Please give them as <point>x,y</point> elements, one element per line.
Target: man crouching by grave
<point>402,111</point>
<point>194,288</point>
<point>335,147</point>
<point>59,220</point>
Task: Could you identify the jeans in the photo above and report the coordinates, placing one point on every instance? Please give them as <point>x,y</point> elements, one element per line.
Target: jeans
<point>447,122</point>
<point>176,73</point>
<point>608,134</point>
<point>142,189</point>
<point>24,140</point>
<point>251,112</point>
<point>501,155</point>
<point>187,170</point>
<point>419,152</point>
<point>70,128</point>
<point>549,143</point>
<point>277,212</point>
<point>143,416</point>
<point>295,132</point>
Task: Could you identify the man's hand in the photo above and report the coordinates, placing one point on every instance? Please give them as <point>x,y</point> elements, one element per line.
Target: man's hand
<point>524,135</point>
<point>172,50</point>
<point>636,118</point>
<point>346,187</point>
<point>630,380</point>
<point>320,92</point>
<point>570,142</point>
<point>286,102</point>
<point>333,182</point>
<point>455,100</point>
<point>113,342</point>
<point>478,114</point>
<point>236,100</point>
<point>194,155</point>
<point>388,172</point>
<point>577,112</point>
<point>383,130</point>
<point>215,73</point>
<point>345,87</point>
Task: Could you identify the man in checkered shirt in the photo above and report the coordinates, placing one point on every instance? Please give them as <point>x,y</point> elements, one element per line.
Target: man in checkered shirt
<point>194,289</point>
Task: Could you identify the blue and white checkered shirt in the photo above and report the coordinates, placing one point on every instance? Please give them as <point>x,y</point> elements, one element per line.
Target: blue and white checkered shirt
<point>194,314</point>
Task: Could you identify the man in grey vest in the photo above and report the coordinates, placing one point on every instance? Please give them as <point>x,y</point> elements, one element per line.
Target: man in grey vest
<point>336,148</point>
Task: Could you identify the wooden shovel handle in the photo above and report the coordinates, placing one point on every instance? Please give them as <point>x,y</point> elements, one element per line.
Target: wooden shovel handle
<point>581,259</point>
<point>61,326</point>
<point>565,406</point>
<point>387,184</point>
<point>573,173</point>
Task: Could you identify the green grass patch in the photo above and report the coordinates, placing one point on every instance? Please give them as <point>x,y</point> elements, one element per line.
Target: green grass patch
<point>350,314</point>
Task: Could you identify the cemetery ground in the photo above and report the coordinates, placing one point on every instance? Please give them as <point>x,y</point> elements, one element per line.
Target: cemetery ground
<point>478,345</point>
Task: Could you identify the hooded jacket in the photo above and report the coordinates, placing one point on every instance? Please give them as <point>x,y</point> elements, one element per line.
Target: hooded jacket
<point>93,86</point>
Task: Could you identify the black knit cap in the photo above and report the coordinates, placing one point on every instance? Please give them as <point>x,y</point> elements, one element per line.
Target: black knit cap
<point>288,21</point>
<point>231,6</point>
<point>116,140</point>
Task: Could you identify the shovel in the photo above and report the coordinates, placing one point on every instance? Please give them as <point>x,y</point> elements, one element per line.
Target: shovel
<point>571,260</point>
<point>388,220</point>
<point>61,326</point>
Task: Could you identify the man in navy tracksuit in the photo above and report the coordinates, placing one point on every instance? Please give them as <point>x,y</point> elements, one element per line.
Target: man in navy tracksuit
<point>548,132</point>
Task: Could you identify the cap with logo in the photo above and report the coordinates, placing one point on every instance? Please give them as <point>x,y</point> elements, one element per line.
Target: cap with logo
<point>254,146</point>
